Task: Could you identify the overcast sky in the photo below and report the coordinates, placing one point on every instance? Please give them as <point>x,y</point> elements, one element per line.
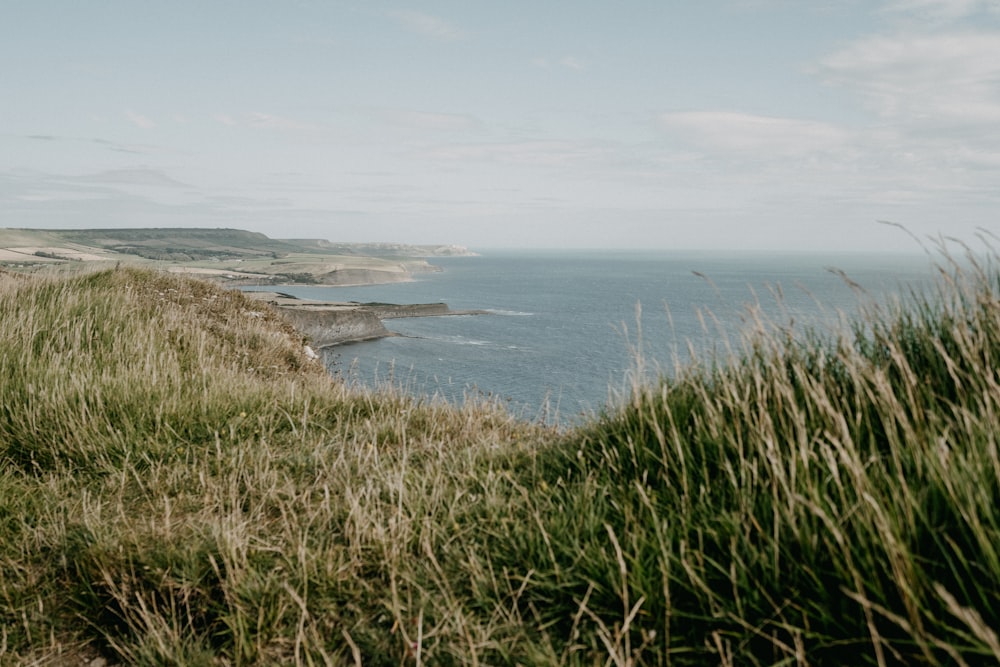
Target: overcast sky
<point>765,124</point>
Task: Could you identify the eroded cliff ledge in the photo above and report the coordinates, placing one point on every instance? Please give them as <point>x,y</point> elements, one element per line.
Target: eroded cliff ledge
<point>328,323</point>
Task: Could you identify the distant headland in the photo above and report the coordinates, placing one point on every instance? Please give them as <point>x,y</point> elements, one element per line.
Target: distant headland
<point>229,256</point>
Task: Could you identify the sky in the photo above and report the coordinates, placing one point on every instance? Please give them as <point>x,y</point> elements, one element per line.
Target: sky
<point>686,124</point>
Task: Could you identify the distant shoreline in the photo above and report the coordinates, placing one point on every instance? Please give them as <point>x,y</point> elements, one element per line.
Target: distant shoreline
<point>229,257</point>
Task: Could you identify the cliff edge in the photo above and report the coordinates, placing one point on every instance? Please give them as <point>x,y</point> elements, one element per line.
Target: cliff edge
<point>330,323</point>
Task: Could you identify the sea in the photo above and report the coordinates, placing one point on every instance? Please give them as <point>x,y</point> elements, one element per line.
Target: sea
<point>565,335</point>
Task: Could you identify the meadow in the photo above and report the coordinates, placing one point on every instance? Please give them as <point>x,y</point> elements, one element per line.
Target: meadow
<point>181,485</point>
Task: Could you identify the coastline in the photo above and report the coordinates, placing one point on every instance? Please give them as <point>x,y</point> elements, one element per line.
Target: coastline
<point>330,323</point>
<point>229,257</point>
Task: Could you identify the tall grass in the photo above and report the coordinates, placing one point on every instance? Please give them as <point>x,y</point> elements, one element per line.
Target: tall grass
<point>815,501</point>
<point>180,485</point>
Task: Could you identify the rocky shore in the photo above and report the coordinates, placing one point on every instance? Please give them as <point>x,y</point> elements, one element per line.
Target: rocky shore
<point>331,323</point>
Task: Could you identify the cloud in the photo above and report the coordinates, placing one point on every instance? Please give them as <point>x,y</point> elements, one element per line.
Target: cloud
<point>133,149</point>
<point>438,122</point>
<point>537,153</point>
<point>943,9</point>
<point>924,79</point>
<point>741,132</point>
<point>267,121</point>
<point>273,122</point>
<point>934,90</point>
<point>111,187</point>
<point>139,120</point>
<point>232,202</point>
<point>133,176</point>
<point>130,196</point>
<point>427,25</point>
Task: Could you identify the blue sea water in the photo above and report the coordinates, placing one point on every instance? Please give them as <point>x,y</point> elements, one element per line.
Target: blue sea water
<point>560,338</point>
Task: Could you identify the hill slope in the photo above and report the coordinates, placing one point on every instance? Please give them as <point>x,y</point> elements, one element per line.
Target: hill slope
<point>180,485</point>
<point>227,255</point>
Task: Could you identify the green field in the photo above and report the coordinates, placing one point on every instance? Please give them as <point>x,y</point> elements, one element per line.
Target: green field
<point>180,485</point>
<point>229,256</point>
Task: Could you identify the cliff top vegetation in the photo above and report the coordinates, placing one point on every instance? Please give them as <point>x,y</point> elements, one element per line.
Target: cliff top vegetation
<point>180,484</point>
<point>231,256</point>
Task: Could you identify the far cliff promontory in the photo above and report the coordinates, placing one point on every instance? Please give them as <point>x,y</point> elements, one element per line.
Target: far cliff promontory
<point>230,256</point>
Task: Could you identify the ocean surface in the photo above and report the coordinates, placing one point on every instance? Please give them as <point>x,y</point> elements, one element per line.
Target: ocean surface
<point>565,329</point>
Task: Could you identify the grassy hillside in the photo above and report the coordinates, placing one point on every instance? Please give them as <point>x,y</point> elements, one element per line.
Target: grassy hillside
<point>231,256</point>
<point>212,242</point>
<point>181,485</point>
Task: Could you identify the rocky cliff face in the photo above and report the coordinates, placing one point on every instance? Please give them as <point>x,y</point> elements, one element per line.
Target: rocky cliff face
<point>326,327</point>
<point>363,277</point>
<point>328,323</point>
<point>331,324</point>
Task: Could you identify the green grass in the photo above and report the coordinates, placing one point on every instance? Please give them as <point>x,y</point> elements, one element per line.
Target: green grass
<point>181,486</point>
